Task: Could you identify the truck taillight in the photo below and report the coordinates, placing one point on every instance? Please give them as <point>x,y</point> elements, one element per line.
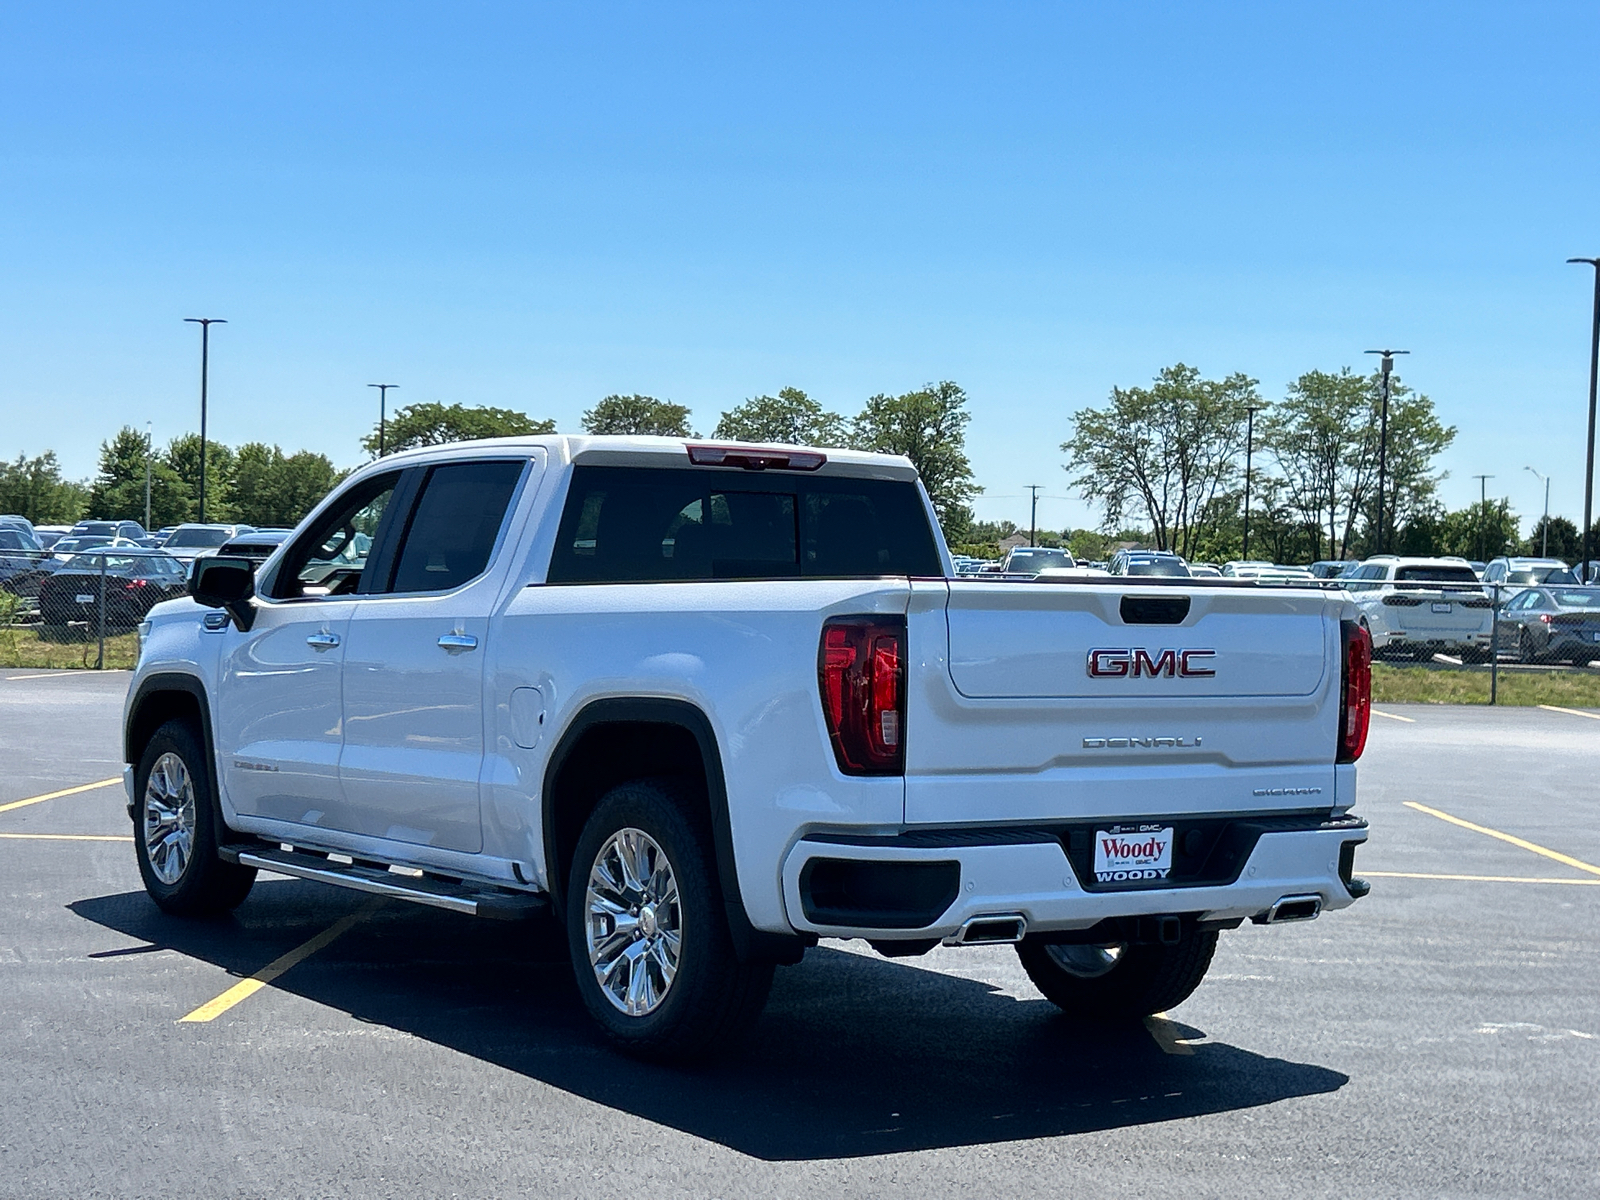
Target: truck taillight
<point>861,671</point>
<point>1355,692</point>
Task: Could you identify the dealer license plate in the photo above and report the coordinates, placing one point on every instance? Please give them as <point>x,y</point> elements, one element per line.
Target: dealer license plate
<point>1132,853</point>
<point>1442,608</point>
<point>84,599</point>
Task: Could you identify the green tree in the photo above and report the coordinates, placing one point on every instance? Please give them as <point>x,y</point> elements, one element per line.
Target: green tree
<point>638,415</point>
<point>790,418</point>
<point>1416,439</point>
<point>1480,531</point>
<point>433,424</point>
<point>272,489</point>
<point>928,426</point>
<point>117,493</point>
<point>1322,439</point>
<point>1564,542</point>
<point>33,488</point>
<point>183,456</point>
<point>1163,452</point>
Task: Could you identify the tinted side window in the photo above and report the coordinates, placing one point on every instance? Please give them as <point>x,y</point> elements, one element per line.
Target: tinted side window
<point>624,524</point>
<point>454,526</point>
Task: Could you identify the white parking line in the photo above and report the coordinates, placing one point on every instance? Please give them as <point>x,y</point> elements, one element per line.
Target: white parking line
<point>49,675</point>
<point>1571,712</point>
<point>1395,717</point>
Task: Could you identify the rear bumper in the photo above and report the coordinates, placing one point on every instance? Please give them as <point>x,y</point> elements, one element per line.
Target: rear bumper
<point>1036,880</point>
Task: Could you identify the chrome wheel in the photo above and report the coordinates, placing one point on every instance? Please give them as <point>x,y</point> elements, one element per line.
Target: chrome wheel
<point>634,926</point>
<point>169,818</point>
<point>1086,962</point>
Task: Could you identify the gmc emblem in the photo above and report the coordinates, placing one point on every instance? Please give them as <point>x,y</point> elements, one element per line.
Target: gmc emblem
<point>1182,664</point>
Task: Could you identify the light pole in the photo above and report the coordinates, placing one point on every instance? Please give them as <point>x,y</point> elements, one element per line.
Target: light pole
<point>205,324</point>
<point>1383,434</point>
<point>1033,516</point>
<point>149,447</point>
<point>1544,546</point>
<point>1483,511</point>
<point>383,395</point>
<point>1249,449</point>
<point>1594,368</point>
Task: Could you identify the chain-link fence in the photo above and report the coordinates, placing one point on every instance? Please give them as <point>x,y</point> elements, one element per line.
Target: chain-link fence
<point>83,609</point>
<point>1486,643</point>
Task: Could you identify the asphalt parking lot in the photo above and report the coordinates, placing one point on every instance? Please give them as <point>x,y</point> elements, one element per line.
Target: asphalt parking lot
<point>1441,1038</point>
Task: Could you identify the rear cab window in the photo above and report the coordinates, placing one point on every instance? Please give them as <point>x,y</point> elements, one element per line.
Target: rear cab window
<point>649,524</point>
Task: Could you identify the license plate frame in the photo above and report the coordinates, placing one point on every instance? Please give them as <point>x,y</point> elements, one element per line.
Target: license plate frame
<point>1133,854</point>
<point>84,598</point>
<point>1443,606</point>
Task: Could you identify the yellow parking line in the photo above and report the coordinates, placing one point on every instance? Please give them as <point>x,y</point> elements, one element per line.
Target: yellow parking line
<point>71,791</point>
<point>245,988</point>
<point>1506,837</point>
<point>1165,1033</point>
<point>1395,717</point>
<point>1571,712</point>
<point>1480,878</point>
<point>66,837</point>
<point>49,675</point>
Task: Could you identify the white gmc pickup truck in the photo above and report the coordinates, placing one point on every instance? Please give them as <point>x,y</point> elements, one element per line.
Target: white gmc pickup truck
<point>708,703</point>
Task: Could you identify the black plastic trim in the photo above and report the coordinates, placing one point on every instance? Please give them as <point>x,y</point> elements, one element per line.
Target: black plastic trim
<point>867,893</point>
<point>177,681</point>
<point>1154,610</point>
<point>749,943</point>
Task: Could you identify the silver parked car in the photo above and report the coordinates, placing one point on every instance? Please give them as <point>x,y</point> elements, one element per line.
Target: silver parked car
<point>1552,623</point>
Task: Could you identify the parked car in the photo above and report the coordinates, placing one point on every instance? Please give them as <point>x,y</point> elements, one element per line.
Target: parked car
<point>706,704</point>
<point>23,562</point>
<point>189,542</point>
<point>1514,571</point>
<point>1030,560</point>
<point>1205,571</point>
<point>49,535</point>
<point>1147,562</point>
<point>257,546</point>
<point>13,521</point>
<point>1245,568</point>
<point>73,544</point>
<point>1552,623</point>
<point>136,580</point>
<point>1422,606</point>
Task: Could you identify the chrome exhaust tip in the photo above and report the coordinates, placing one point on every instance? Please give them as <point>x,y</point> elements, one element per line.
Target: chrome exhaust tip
<point>1291,908</point>
<point>1003,929</point>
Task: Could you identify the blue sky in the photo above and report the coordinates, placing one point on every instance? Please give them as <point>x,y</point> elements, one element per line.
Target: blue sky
<point>534,206</point>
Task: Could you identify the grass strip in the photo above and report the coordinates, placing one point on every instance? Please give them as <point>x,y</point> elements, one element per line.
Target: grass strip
<point>1470,685</point>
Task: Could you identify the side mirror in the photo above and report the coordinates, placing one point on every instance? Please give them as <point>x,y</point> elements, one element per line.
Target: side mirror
<point>227,583</point>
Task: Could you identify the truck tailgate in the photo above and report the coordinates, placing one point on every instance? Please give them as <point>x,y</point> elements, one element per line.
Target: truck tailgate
<point>1056,702</point>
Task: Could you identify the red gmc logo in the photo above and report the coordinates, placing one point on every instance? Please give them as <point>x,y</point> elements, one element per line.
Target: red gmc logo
<point>1182,664</point>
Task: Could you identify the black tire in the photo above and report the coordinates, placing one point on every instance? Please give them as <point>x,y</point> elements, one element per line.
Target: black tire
<point>198,883</point>
<point>711,998</point>
<point>1525,650</point>
<point>1142,979</point>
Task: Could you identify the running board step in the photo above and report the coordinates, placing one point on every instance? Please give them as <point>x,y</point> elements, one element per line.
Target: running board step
<point>471,899</point>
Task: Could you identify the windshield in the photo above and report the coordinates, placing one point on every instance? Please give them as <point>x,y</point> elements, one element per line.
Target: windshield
<point>1541,575</point>
<point>1434,575</point>
<point>202,538</point>
<point>1160,566</point>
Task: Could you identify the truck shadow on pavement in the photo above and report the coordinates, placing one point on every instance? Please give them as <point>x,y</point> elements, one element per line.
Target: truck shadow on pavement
<point>854,1056</point>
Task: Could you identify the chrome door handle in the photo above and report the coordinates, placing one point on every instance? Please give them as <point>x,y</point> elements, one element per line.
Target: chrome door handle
<point>456,643</point>
<point>323,641</point>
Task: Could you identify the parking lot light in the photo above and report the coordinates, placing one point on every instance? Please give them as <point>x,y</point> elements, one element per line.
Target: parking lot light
<point>205,324</point>
<point>1594,368</point>
<point>383,395</point>
<point>1544,545</point>
<point>1387,365</point>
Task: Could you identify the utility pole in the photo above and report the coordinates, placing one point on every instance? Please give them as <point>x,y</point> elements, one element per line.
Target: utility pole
<point>1594,368</point>
<point>205,324</point>
<point>1483,512</point>
<point>383,395</point>
<point>148,450</point>
<point>1033,516</point>
<point>1544,546</point>
<point>1249,449</point>
<point>1387,365</point>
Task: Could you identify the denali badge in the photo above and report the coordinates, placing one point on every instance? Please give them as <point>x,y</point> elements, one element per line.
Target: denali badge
<point>1149,743</point>
<point>1185,664</point>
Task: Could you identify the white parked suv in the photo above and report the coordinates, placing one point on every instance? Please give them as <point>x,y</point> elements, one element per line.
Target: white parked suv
<point>705,704</point>
<point>1422,606</point>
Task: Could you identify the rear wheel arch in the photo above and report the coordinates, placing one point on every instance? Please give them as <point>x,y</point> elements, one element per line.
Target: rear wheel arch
<point>617,740</point>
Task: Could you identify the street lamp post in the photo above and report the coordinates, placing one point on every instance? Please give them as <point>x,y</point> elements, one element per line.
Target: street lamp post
<point>1387,362</point>
<point>1249,449</point>
<point>383,396</point>
<point>1544,545</point>
<point>1483,512</point>
<point>149,447</point>
<point>1033,516</point>
<point>205,324</point>
<point>1594,368</point>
